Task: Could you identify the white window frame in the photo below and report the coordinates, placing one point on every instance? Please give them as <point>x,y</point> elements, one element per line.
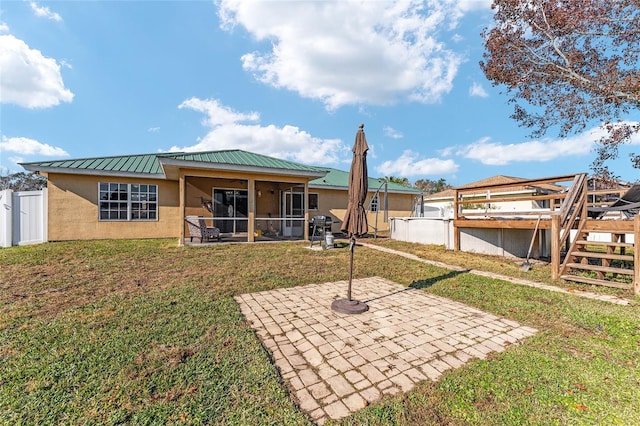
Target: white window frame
<point>128,199</point>
<point>374,204</point>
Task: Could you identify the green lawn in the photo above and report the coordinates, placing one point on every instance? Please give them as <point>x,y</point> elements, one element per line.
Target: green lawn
<point>144,332</point>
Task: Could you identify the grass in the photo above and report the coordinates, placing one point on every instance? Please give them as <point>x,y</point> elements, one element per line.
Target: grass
<point>540,271</point>
<point>144,332</point>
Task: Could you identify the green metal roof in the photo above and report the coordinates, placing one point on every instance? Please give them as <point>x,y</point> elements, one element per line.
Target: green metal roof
<point>151,164</point>
<point>241,158</point>
<point>339,179</point>
<point>144,163</point>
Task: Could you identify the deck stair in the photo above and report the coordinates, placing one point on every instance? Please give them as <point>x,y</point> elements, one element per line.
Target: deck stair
<point>606,263</point>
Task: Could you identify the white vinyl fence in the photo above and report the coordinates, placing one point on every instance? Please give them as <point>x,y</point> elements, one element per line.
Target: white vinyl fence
<point>23,217</point>
<point>498,242</point>
<point>424,230</point>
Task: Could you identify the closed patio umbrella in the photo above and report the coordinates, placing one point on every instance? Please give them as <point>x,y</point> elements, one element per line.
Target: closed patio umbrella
<point>355,219</point>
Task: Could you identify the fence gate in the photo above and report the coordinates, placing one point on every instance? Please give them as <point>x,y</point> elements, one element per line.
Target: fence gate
<point>23,219</point>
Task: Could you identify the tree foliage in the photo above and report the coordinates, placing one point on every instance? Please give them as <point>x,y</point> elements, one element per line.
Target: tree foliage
<point>23,181</point>
<point>399,180</point>
<point>429,186</point>
<point>568,63</point>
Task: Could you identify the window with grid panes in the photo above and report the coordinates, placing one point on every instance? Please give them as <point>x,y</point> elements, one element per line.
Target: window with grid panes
<point>128,201</point>
<point>375,204</point>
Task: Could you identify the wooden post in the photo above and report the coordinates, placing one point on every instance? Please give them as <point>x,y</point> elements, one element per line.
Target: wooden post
<point>182,185</point>
<point>251,225</point>
<point>636,255</point>
<point>456,216</point>
<point>555,246</point>
<point>305,226</point>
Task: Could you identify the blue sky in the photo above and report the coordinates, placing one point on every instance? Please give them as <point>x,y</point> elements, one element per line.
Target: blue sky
<point>288,79</point>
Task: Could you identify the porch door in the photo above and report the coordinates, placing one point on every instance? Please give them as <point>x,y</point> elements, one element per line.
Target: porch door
<point>293,208</point>
<point>231,210</point>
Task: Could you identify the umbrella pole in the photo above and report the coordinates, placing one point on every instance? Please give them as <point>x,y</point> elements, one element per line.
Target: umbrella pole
<point>351,247</point>
<point>348,305</point>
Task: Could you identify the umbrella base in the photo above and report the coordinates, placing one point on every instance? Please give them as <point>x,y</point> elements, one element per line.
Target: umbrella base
<point>346,306</point>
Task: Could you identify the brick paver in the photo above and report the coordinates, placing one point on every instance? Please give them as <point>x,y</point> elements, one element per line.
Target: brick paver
<point>336,364</point>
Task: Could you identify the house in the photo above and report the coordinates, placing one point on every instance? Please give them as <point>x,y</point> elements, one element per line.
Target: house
<point>245,195</point>
<point>441,204</point>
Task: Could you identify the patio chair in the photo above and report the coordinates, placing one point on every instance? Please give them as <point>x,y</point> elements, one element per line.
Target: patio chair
<point>628,205</point>
<point>199,229</point>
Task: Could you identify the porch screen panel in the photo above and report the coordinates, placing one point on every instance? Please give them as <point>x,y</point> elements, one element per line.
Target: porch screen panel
<point>231,210</point>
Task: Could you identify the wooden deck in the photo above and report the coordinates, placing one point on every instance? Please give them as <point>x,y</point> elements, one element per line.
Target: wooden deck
<point>560,204</point>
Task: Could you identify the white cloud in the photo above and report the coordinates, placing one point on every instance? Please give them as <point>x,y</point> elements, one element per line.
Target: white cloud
<point>153,129</point>
<point>217,114</point>
<point>26,146</point>
<point>392,133</point>
<point>470,5</point>
<point>44,12</point>
<point>410,164</point>
<point>16,160</point>
<point>351,52</point>
<point>461,7</point>
<point>229,129</point>
<point>496,153</point>
<point>29,79</point>
<point>476,89</point>
<point>4,28</point>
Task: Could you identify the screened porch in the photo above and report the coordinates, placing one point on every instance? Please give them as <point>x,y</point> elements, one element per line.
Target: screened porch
<point>247,210</point>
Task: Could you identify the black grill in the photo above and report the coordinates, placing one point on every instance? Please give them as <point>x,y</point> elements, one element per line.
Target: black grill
<point>321,222</point>
<point>320,225</point>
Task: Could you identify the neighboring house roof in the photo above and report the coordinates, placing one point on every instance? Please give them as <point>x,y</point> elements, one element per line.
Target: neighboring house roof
<point>496,180</point>
<point>338,179</point>
<point>493,180</point>
<point>447,193</point>
<point>164,165</point>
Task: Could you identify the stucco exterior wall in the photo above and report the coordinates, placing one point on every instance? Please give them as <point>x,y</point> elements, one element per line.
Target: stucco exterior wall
<point>73,204</point>
<point>73,210</point>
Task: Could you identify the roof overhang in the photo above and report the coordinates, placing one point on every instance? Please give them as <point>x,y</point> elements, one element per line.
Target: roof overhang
<point>91,172</point>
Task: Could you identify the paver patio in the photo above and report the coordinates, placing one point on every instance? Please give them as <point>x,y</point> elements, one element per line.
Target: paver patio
<point>335,364</point>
